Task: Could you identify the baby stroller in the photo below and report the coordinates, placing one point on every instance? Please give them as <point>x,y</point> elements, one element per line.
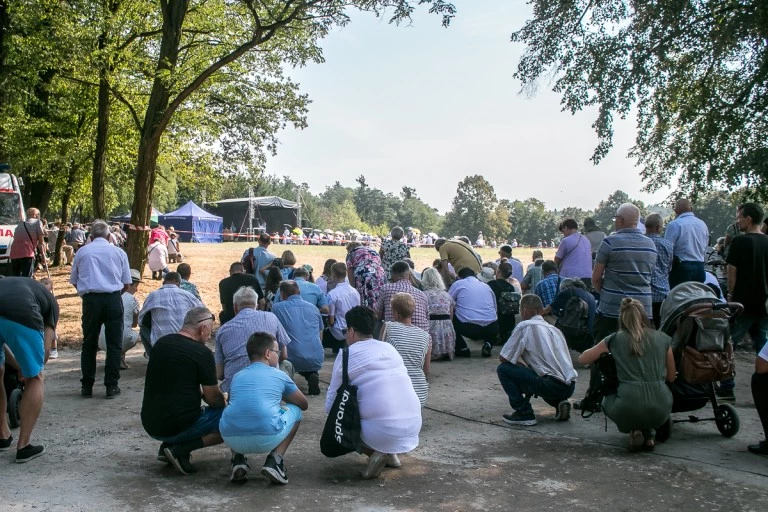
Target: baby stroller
<point>13,389</point>
<point>695,319</point>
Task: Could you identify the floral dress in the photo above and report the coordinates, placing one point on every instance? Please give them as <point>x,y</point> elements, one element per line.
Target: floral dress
<point>393,251</point>
<point>369,275</point>
<point>440,324</point>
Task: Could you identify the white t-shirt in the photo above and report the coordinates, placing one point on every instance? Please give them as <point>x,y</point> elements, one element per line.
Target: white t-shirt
<point>390,411</point>
<point>157,256</point>
<point>764,353</point>
<point>542,347</point>
<point>340,300</point>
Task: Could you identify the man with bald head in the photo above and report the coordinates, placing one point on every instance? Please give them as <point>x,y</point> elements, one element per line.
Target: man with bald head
<point>623,268</point>
<point>689,236</point>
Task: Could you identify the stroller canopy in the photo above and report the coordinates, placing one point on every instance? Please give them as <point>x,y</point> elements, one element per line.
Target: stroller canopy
<point>679,299</point>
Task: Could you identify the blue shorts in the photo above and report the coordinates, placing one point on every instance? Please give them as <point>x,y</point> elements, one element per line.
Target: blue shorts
<point>27,345</point>
<point>207,423</point>
<point>265,443</point>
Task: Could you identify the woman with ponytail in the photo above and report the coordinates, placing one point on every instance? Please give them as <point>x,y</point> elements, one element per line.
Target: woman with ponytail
<point>643,362</point>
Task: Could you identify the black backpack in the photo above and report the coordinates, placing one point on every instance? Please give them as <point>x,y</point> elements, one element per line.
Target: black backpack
<point>574,323</point>
<point>249,262</point>
<point>603,381</point>
<point>509,303</point>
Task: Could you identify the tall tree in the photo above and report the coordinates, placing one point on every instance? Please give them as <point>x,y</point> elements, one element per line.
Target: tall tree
<point>188,59</point>
<point>694,71</point>
<point>531,221</point>
<point>472,208</point>
<point>606,210</point>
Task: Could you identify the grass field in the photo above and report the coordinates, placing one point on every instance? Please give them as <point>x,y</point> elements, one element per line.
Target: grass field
<point>210,264</point>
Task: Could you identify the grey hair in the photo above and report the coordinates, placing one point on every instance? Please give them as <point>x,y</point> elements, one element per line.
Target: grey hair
<point>432,280</point>
<point>397,233</point>
<point>99,229</point>
<point>629,212</point>
<point>569,282</point>
<point>195,317</point>
<point>245,297</point>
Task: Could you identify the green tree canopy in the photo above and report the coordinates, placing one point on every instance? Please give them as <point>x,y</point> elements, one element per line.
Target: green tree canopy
<point>695,71</point>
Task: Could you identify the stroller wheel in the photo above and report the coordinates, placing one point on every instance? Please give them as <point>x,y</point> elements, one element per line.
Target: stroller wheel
<point>727,420</point>
<point>664,432</point>
<point>14,403</point>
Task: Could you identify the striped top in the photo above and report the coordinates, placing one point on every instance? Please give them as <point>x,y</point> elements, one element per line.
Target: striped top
<point>629,258</point>
<point>412,344</point>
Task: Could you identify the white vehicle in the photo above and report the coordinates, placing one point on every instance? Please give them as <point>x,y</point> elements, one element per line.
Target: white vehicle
<point>11,212</point>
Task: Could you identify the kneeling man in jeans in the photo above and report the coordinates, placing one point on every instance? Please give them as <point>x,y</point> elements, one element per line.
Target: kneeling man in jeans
<point>535,361</point>
<point>179,373</point>
<point>255,421</point>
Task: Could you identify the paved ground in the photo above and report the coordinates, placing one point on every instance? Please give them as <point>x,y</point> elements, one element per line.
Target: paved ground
<point>99,458</point>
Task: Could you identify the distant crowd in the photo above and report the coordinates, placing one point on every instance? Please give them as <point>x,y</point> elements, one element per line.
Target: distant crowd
<point>601,293</point>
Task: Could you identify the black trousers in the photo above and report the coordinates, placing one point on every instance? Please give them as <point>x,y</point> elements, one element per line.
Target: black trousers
<point>102,309</point>
<point>487,333</point>
<point>23,267</point>
<point>684,271</point>
<point>760,396</point>
<point>604,326</point>
<point>329,341</point>
<point>656,306</point>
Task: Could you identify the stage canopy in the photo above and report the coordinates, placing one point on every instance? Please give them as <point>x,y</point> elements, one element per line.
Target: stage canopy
<point>270,213</point>
<point>193,224</point>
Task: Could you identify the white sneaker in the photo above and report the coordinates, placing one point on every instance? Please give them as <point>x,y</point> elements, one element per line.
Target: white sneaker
<point>376,464</point>
<point>54,354</point>
<point>393,461</point>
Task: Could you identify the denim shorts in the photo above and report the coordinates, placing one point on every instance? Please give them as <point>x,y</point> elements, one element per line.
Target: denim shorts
<point>207,423</point>
<point>265,443</point>
<point>27,345</point>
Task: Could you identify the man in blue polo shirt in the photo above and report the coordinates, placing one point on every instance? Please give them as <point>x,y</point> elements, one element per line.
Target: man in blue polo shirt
<point>690,237</point>
<point>261,257</point>
<point>310,292</point>
<point>623,268</point>
<point>304,325</point>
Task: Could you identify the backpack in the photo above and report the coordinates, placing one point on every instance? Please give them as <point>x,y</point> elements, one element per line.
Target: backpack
<point>509,303</point>
<point>603,380</point>
<point>574,323</point>
<point>249,262</point>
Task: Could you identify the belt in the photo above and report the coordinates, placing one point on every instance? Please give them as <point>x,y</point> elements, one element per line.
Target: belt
<point>439,317</point>
<point>102,293</point>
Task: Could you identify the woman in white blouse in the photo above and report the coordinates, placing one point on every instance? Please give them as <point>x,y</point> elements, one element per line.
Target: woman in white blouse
<point>390,411</point>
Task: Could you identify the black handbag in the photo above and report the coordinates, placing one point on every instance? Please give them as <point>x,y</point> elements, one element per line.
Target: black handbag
<point>603,381</point>
<point>341,434</point>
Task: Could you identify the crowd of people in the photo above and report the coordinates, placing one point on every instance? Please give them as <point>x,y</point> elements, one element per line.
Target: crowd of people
<point>600,293</point>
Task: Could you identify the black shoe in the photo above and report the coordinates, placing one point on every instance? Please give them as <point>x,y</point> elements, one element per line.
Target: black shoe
<point>520,419</point>
<point>28,453</point>
<point>463,353</point>
<point>240,468</point>
<point>274,471</point>
<point>86,392</point>
<point>161,454</point>
<point>180,460</point>
<point>112,391</point>
<point>486,352</point>
<point>725,396</point>
<point>313,381</point>
<point>5,443</point>
<point>760,449</point>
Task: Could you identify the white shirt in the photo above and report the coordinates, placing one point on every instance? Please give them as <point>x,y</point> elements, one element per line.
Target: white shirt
<point>169,305</point>
<point>157,256</point>
<point>390,411</point>
<point>542,347</point>
<point>130,308</point>
<point>475,301</point>
<point>340,300</point>
<point>100,268</point>
<point>764,353</point>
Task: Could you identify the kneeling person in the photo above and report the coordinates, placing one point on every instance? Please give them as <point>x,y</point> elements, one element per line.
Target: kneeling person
<point>548,371</point>
<point>180,367</point>
<point>255,421</point>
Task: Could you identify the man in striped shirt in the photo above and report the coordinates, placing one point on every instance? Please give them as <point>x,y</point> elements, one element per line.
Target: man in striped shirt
<point>400,283</point>
<point>623,268</point>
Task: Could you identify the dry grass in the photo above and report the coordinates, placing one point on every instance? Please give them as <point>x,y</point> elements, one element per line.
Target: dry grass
<point>210,264</point>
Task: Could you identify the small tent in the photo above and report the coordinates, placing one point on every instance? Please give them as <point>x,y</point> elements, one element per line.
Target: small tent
<point>193,224</point>
<point>127,217</point>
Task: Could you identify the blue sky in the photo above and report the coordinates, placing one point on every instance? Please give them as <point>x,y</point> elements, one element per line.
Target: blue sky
<point>424,106</point>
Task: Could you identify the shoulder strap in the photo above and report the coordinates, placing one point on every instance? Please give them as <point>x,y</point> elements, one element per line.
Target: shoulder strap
<point>345,366</point>
<point>28,234</point>
<point>608,341</point>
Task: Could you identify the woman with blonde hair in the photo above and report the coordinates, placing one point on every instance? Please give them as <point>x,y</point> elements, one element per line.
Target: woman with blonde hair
<point>440,315</point>
<point>644,361</point>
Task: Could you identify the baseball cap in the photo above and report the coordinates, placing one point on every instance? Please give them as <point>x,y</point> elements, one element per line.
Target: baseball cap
<point>135,275</point>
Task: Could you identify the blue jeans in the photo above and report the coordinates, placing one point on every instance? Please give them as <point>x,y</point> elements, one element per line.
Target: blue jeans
<point>207,423</point>
<point>520,382</point>
<point>684,271</point>
<point>757,327</point>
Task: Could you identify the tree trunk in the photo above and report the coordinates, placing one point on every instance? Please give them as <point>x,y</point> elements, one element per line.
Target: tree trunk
<point>5,27</point>
<point>155,122</point>
<point>64,213</point>
<point>100,152</point>
<point>38,194</point>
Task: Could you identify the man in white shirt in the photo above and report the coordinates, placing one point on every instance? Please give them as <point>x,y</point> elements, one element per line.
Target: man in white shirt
<point>157,259</point>
<point>341,299</point>
<point>164,310</point>
<point>475,315</point>
<point>690,237</point>
<point>100,272</point>
<point>536,362</point>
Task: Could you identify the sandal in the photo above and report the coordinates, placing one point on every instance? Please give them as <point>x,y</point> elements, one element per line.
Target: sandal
<point>636,440</point>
